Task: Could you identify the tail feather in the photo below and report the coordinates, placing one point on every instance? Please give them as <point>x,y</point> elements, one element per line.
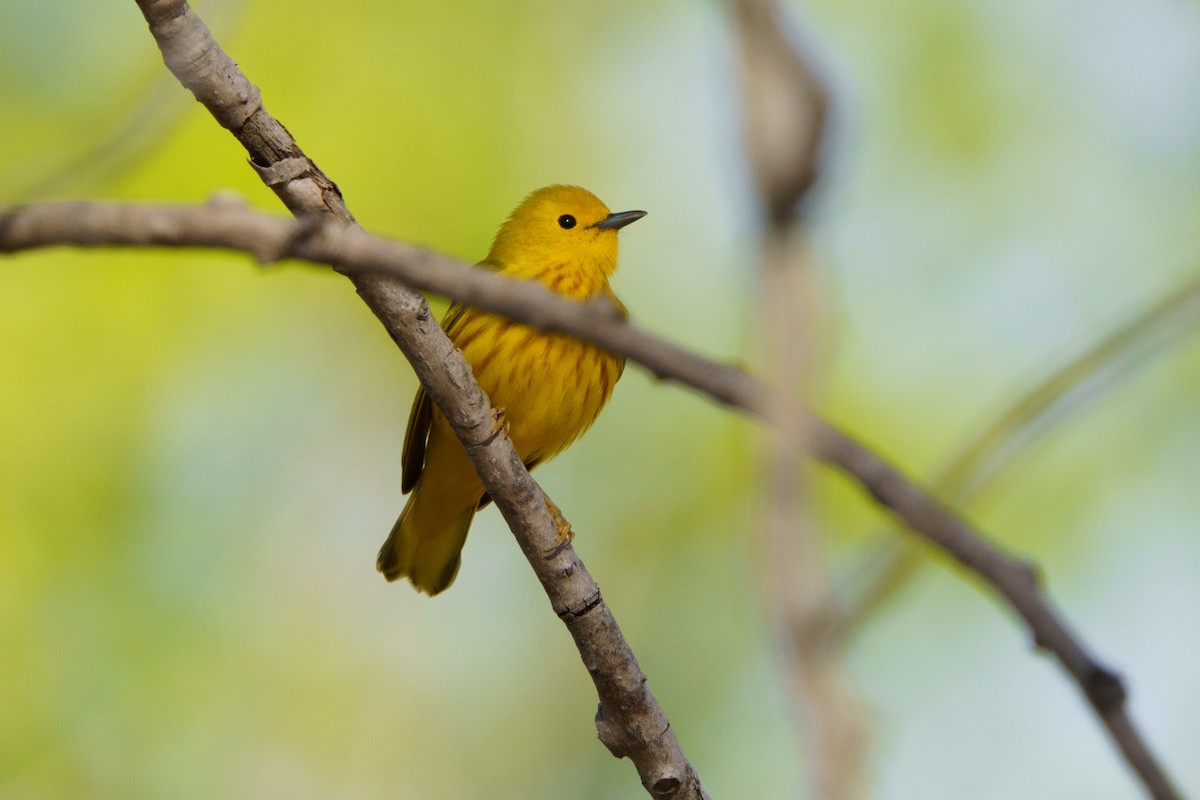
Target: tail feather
<point>425,544</point>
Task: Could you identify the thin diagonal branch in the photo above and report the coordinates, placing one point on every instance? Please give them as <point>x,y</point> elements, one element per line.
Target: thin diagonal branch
<point>977,466</point>
<point>1014,581</point>
<point>1017,582</point>
<point>630,722</point>
<point>1076,383</point>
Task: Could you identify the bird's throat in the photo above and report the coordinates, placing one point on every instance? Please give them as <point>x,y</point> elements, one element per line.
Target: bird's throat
<point>574,280</point>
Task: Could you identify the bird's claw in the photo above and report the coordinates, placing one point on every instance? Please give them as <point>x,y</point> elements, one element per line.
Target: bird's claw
<point>565,534</point>
<point>499,425</point>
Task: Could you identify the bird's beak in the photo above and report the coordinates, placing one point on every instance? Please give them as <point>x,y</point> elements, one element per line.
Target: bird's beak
<point>619,220</point>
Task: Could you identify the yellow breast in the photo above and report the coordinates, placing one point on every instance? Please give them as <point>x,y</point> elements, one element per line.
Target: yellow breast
<point>550,387</point>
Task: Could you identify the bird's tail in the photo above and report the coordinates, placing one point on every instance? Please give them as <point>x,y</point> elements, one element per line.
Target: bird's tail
<point>425,542</point>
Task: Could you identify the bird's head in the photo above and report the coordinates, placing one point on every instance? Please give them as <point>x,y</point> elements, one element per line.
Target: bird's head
<point>557,225</point>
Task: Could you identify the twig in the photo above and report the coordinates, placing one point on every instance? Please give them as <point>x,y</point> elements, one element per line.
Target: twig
<point>363,256</point>
<point>113,146</point>
<point>1026,422</point>
<point>630,721</point>
<point>1017,582</point>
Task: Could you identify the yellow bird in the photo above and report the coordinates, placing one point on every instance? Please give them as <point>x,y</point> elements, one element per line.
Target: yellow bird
<point>549,387</point>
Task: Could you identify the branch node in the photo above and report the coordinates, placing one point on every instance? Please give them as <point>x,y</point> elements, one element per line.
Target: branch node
<point>666,787</point>
<point>227,200</point>
<point>1031,573</point>
<point>282,171</point>
<point>603,309</point>
<point>588,605</point>
<point>609,734</point>
<point>307,230</point>
<point>1104,688</point>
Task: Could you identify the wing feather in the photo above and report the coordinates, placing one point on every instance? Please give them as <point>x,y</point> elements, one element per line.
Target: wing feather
<point>412,461</point>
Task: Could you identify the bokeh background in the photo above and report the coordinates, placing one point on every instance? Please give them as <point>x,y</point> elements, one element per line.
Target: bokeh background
<point>199,457</point>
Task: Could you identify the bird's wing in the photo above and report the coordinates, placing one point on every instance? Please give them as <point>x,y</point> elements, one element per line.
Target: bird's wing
<point>413,459</point>
<point>453,314</point>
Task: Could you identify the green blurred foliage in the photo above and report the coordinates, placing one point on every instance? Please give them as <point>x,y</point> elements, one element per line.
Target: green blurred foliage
<point>199,457</point>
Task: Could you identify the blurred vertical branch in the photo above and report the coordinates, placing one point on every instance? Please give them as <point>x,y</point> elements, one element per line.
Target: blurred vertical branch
<point>784,107</point>
<point>784,111</point>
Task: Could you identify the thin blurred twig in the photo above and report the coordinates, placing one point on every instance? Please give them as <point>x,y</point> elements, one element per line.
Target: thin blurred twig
<point>111,147</point>
<point>324,241</point>
<point>1082,380</point>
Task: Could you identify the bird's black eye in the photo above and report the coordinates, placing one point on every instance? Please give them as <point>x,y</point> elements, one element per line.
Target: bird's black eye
<point>566,221</point>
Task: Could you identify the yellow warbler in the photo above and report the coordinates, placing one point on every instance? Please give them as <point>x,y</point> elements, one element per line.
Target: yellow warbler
<point>549,387</point>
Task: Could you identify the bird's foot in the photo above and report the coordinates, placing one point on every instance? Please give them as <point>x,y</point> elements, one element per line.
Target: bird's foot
<point>565,534</point>
<point>499,424</point>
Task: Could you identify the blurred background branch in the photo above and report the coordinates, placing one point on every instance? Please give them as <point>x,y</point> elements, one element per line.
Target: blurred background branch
<point>1052,402</point>
<point>78,165</point>
<point>784,120</point>
<point>784,107</point>
<point>784,110</point>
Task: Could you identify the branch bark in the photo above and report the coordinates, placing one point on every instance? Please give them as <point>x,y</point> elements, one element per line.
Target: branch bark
<point>380,263</point>
<point>630,721</point>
